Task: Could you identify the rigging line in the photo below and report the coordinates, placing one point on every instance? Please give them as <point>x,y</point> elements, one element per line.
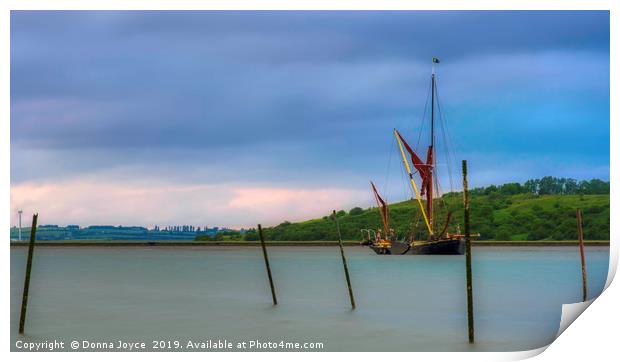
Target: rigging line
<point>414,225</point>
<point>447,129</point>
<point>437,188</point>
<point>428,96</point>
<point>450,155</point>
<point>450,148</point>
<point>449,177</point>
<point>398,123</point>
<point>387,175</point>
<point>406,190</point>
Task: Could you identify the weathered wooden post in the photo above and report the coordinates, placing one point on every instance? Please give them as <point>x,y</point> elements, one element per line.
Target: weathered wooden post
<point>262,242</point>
<point>584,275</point>
<point>344,261</point>
<point>470,297</point>
<point>33,233</point>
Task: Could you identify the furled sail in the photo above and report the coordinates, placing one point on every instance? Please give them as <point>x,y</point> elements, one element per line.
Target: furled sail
<point>383,207</point>
<point>424,168</point>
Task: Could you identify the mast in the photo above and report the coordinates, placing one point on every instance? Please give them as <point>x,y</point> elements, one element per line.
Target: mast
<point>431,149</point>
<point>433,105</point>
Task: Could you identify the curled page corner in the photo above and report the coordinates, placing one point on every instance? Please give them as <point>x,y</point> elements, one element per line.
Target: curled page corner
<point>570,312</point>
<point>613,263</point>
<point>522,355</point>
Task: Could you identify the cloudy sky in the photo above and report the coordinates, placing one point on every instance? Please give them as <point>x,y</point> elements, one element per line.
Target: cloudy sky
<point>235,118</point>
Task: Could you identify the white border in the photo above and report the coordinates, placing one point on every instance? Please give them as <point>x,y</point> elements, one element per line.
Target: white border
<point>594,333</point>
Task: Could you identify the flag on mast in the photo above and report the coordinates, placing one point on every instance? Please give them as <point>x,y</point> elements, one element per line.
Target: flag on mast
<point>435,60</point>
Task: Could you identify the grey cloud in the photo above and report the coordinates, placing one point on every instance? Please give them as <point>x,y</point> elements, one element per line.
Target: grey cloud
<point>293,95</point>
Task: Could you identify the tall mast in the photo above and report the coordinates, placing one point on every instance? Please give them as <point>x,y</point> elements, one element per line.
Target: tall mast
<point>433,105</point>
<point>431,150</point>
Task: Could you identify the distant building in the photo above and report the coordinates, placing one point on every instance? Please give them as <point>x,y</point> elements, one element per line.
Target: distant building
<point>101,227</point>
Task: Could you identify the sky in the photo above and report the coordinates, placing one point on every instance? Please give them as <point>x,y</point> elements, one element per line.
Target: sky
<point>239,118</point>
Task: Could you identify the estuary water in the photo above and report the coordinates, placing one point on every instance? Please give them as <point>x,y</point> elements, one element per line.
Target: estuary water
<point>178,295</point>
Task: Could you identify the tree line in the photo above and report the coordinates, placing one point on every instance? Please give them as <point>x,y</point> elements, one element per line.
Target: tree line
<point>549,185</point>
<point>538,209</point>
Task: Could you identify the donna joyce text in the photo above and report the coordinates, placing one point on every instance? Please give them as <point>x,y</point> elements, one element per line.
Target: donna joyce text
<point>56,345</point>
<point>196,345</point>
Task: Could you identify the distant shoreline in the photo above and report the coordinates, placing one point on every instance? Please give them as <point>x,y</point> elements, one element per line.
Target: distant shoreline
<point>281,243</point>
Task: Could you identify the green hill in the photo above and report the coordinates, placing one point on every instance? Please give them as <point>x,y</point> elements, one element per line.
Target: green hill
<point>542,209</point>
<point>495,217</point>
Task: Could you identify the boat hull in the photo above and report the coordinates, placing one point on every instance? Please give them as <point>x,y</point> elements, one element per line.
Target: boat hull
<point>438,247</point>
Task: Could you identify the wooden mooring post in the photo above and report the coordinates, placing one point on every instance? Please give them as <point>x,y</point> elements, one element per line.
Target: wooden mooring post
<point>584,275</point>
<point>470,297</point>
<point>344,261</point>
<point>33,234</point>
<point>262,242</point>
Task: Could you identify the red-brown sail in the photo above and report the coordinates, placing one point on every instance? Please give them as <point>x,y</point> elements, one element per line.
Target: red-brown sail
<point>383,208</point>
<point>426,173</point>
<point>424,168</point>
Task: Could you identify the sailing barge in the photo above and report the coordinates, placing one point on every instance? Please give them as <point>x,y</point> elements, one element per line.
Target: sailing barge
<point>439,241</point>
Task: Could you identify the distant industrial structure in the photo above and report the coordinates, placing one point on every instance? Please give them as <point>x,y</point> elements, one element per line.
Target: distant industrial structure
<point>19,213</point>
<point>109,232</point>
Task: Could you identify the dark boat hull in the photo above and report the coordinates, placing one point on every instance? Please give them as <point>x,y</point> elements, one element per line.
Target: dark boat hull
<point>439,247</point>
<point>397,248</point>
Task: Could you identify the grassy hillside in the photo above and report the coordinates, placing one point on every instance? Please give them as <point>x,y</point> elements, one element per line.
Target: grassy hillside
<point>523,216</point>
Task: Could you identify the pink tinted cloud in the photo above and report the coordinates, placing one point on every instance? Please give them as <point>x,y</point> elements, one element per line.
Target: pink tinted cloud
<point>93,202</point>
<point>278,204</point>
<point>88,202</point>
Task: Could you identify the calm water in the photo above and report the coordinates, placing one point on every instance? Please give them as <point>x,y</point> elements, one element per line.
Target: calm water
<point>405,303</point>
